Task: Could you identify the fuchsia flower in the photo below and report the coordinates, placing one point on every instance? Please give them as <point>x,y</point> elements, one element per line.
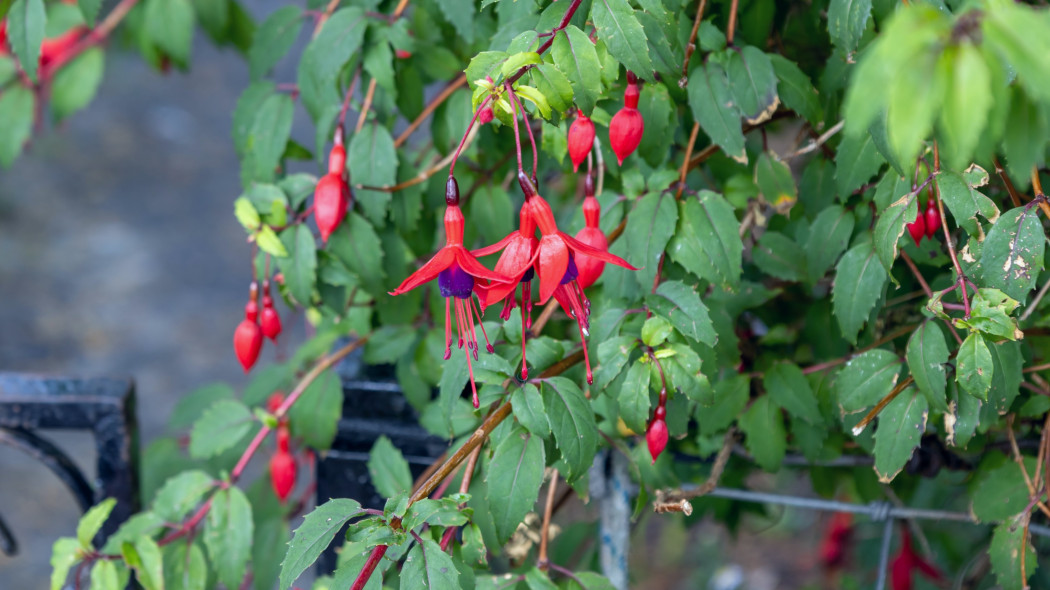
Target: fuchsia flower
<point>459,276</point>
<point>906,562</point>
<point>591,268</point>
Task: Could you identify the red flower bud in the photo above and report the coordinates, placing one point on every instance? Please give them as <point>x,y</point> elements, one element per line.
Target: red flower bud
<point>581,138</point>
<point>270,321</point>
<point>933,218</point>
<point>485,116</point>
<point>247,338</point>
<point>917,228</point>
<point>403,53</point>
<point>627,126</point>
<point>331,201</point>
<point>274,401</point>
<point>591,268</point>
<point>337,159</point>
<point>284,438</point>
<point>656,435</point>
<point>282,474</point>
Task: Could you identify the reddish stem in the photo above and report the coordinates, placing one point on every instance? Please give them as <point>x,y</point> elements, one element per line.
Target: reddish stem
<point>524,117</point>
<point>370,566</point>
<point>94,37</point>
<point>517,136</point>
<point>569,12</point>
<point>455,158</point>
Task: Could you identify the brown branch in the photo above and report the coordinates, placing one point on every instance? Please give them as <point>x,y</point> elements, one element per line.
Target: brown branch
<point>678,500</point>
<point>892,395</point>
<point>1015,197</point>
<point>731,29</point>
<point>541,561</point>
<point>366,105</point>
<point>690,47</point>
<point>1015,453</point>
<point>430,108</point>
<point>947,235</point>
<point>1037,186</point>
<point>685,162</point>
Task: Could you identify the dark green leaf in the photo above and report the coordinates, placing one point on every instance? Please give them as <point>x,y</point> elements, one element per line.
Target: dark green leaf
<point>856,161</point>
<point>779,256</point>
<point>649,228</point>
<point>796,90</point>
<point>26,21</point>
<point>170,27</point>
<point>962,417</point>
<point>554,85</point>
<point>267,137</point>
<point>707,242</point>
<point>314,535</point>
<point>530,411</point>
<point>901,425</point>
<point>274,37</point>
<point>573,425</point>
<point>847,20</point>
<point>990,311</point>
<point>715,109</point>
<point>731,397</point>
<point>1001,492</point>
<point>974,366</point>
<point>427,566</point>
<point>618,27</point>
<point>181,493</point>
<point>514,478</point>
<point>184,567</point>
<point>372,159</point>
<point>859,281</point>
<point>89,10</point>
<point>634,397</point>
<point>222,426</point>
<point>828,237</point>
<point>789,389</point>
<point>866,379</point>
<point>927,354</point>
<point>1005,552</point>
<point>461,17</point>
<point>959,193</point>
<point>388,468</point>
<point>775,182</point>
<point>245,112</point>
<point>966,104</point>
<point>680,304</point>
<point>16,122</point>
<point>75,84</point>
<point>763,425</point>
<point>889,227</point>
<point>753,83</point>
<point>575,56</point>
<point>315,416</point>
<point>1012,256</point>
<point>228,535</point>
<point>300,268</point>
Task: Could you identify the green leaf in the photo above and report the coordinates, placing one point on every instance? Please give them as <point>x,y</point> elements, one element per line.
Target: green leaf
<point>1001,492</point>
<point>859,281</point>
<point>1017,34</point>
<point>554,85</point>
<point>573,425</point>
<point>268,242</point>
<point>300,268</point>
<point>1007,363</point>
<point>314,535</point>
<point>901,425</point>
<point>519,60</point>
<point>1024,139</point>
<point>763,425</point>
<point>716,110</point>
<point>530,411</point>
<point>26,21</point>
<point>1005,552</point>
<point>731,397</point>
<point>914,101</point>
<point>856,161</point>
<point>828,238</point>
<point>779,256</point>
<point>796,90</point>
<point>244,113</point>
<point>962,418</point>
<point>221,427</point>
<point>680,304</point>
<point>927,355</point>
<point>169,24</point>
<point>76,83</point>
<point>974,366</point>
<point>16,122</point>
<point>88,9</point>
<point>356,243</point>
<point>373,162</point>
<point>272,40</point>
<point>246,214</point>
<point>150,569</point>
<point>575,56</point>
<point>461,19</point>
<point>707,242</point>
<point>379,64</point>
<point>184,567</point>
<point>92,521</point>
<point>228,535</point>
<point>389,343</point>
<point>267,137</point>
<point>621,32</point>
<point>866,379</point>
<point>775,182</point>
<point>515,474</point>
<point>315,417</point>
<point>889,228</point>
<point>634,399</point>
<point>990,311</point>
<point>141,525</point>
<point>484,64</point>
<point>753,83</point>
<point>613,355</point>
<point>64,554</point>
<point>388,468</point>
<point>1012,256</point>
<point>649,227</point>
<point>427,566</point>
<point>788,387</point>
<point>104,575</point>
<point>966,104</point>
<point>847,20</point>
<point>339,39</point>
<point>959,192</point>
<point>181,493</point>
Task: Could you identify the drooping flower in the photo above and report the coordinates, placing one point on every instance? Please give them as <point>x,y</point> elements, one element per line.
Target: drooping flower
<point>516,262</point>
<point>459,276</point>
<point>248,337</point>
<point>627,126</point>
<point>556,266</point>
<point>834,549</point>
<point>591,268</point>
<point>332,196</point>
<point>656,434</point>
<point>906,562</point>
<point>580,139</point>
<point>917,228</point>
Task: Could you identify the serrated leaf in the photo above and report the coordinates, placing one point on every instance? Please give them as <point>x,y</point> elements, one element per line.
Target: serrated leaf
<point>300,266</point>
<point>339,38</point>
<point>847,20</point>
<point>859,281</point>
<point>575,56</point>
<point>104,575</point>
<point>966,104</point>
<point>789,389</point>
<point>731,397</point>
<point>573,425</point>
<point>16,122</point>
<point>1001,492</point>
<point>779,256</point>
<point>184,567</point>
<point>388,468</point>
<point>1005,552</point>
<point>649,227</point>
<point>554,85</point>
<point>866,379</point>
<point>753,83</point>
<point>927,355</point>
<point>272,40</point>
<point>959,193</point>
<point>634,399</point>
<point>796,90</point>
<point>856,161</point>
<point>356,243</point>
<point>766,440</point>
<point>484,64</point>
<point>221,427</point>
<point>461,19</point>
<point>372,159</point>
<point>889,227</point>
<point>92,521</point>
<point>26,22</point>
<point>990,311</point>
<point>76,83</point>
<point>315,417</point>
<point>681,304</point>
<point>427,566</point>
<point>228,535</point>
<point>63,557</point>
<point>169,24</point>
<point>181,493</point>
<point>314,535</point>
<point>268,242</point>
<point>613,355</point>
<point>619,29</point>
<point>515,474</point>
<point>901,425</point>
<point>267,138</point>
<point>828,238</point>
<point>707,242</point>
<point>775,183</point>
<point>974,366</point>
<point>715,109</point>
<point>1012,256</point>
<point>530,411</point>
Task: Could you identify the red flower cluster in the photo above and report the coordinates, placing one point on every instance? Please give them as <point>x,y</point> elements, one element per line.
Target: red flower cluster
<point>248,337</point>
<point>926,223</point>
<point>625,129</point>
<point>553,258</point>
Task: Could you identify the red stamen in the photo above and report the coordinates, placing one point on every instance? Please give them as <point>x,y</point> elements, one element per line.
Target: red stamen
<point>488,345</point>
<point>448,329</point>
<point>526,304</point>
<point>524,334</point>
<point>470,322</point>
<point>460,323</point>
<point>586,357</point>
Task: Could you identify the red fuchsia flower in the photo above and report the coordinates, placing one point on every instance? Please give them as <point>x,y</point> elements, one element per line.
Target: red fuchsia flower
<point>516,262</point>
<point>917,228</point>
<point>270,320</point>
<point>835,546</point>
<point>656,433</point>
<point>591,268</point>
<point>248,337</point>
<point>627,126</point>
<point>332,196</point>
<point>459,276</point>
<point>580,139</point>
<point>485,116</point>
<point>906,562</point>
<point>933,218</point>
<point>555,264</point>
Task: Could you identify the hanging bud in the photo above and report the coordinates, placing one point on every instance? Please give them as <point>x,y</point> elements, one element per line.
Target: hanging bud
<point>917,228</point>
<point>270,321</point>
<point>656,434</point>
<point>581,138</point>
<point>282,474</point>
<point>485,116</point>
<point>331,201</point>
<point>591,268</point>
<point>247,338</point>
<point>933,218</point>
<point>627,126</point>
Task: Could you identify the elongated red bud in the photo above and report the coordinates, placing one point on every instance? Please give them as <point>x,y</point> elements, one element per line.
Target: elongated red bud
<point>591,268</point>
<point>274,401</point>
<point>284,438</point>
<point>627,126</point>
<point>337,160</point>
<point>580,140</point>
<point>933,219</point>
<point>282,474</point>
<point>331,201</point>
<point>917,228</point>
<point>247,338</point>
<point>270,321</point>
<point>656,435</point>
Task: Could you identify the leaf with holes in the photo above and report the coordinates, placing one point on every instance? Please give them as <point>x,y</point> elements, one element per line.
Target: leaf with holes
<point>1012,256</point>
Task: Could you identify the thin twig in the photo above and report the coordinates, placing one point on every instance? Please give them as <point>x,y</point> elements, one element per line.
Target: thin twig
<point>926,288</point>
<point>731,28</point>
<point>1015,453</point>
<point>1015,197</point>
<point>690,47</point>
<point>1035,302</point>
<point>541,561</point>
<point>1037,186</point>
<point>816,143</point>
<point>685,163</point>
<point>836,362</point>
<point>430,108</point>
<point>366,105</point>
<point>705,488</point>
<point>859,428</point>
<point>947,235</point>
